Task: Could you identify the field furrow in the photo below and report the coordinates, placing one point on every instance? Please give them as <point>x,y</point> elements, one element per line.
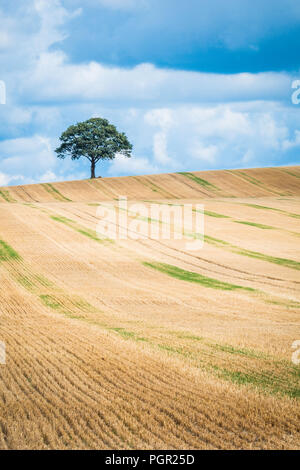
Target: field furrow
<point>141,343</point>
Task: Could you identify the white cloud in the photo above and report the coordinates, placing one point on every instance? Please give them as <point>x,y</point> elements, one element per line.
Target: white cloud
<point>160,151</point>
<point>235,133</point>
<point>120,4</point>
<point>288,144</point>
<point>6,179</point>
<point>131,166</point>
<point>207,154</point>
<point>247,157</point>
<point>48,176</point>
<point>26,156</point>
<point>54,78</point>
<point>161,118</point>
<point>32,160</point>
<point>4,39</point>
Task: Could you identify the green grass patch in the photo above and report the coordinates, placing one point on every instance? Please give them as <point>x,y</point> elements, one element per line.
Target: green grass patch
<point>214,214</point>
<point>51,302</point>
<point>274,209</point>
<point>254,181</point>
<point>205,184</point>
<point>257,206</point>
<point>208,213</point>
<point>84,306</point>
<point>170,349</point>
<point>288,304</point>
<point>90,234</point>
<point>6,196</point>
<point>239,351</point>
<point>215,241</point>
<point>25,282</point>
<point>74,303</point>
<point>261,380</point>
<point>284,382</point>
<point>187,336</point>
<point>249,178</point>
<point>7,253</point>
<point>291,173</point>
<point>155,188</point>
<point>83,231</point>
<point>33,282</point>
<point>127,334</point>
<point>63,220</point>
<point>289,263</point>
<point>43,281</point>
<point>55,193</point>
<point>253,224</point>
<point>190,276</point>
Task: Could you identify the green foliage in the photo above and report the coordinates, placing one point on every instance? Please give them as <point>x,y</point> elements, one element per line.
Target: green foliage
<point>214,214</point>
<point>257,206</point>
<point>190,276</point>
<point>198,180</point>
<point>252,224</point>
<point>6,196</point>
<point>128,334</point>
<point>292,174</point>
<point>51,302</point>
<point>289,263</point>
<point>96,139</point>
<point>55,193</point>
<point>7,252</point>
<point>84,231</point>
<point>252,254</point>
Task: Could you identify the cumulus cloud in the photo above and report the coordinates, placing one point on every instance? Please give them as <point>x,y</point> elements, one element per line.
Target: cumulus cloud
<point>131,166</point>
<point>30,160</point>
<point>6,179</point>
<point>209,136</point>
<point>53,78</point>
<point>30,157</point>
<point>48,176</point>
<point>295,142</point>
<point>161,118</point>
<point>206,154</point>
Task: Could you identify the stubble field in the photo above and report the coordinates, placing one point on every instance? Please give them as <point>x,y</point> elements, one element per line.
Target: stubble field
<point>142,344</point>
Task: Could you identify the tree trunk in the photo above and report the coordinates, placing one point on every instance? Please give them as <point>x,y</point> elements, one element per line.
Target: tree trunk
<point>93,165</point>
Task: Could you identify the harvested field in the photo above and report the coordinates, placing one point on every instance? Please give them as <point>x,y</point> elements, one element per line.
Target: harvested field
<point>141,344</point>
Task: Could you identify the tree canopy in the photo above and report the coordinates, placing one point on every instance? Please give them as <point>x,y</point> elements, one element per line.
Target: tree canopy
<point>95,139</point>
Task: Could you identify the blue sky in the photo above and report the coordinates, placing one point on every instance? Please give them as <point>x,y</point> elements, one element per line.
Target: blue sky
<point>200,84</point>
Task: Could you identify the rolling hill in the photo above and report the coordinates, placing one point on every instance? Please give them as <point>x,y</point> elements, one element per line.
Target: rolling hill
<point>140,343</point>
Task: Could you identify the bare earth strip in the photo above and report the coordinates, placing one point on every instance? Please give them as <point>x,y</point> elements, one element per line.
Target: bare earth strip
<point>142,344</point>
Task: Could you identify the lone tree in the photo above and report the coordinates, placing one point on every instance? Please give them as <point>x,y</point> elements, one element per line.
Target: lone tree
<point>96,139</point>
